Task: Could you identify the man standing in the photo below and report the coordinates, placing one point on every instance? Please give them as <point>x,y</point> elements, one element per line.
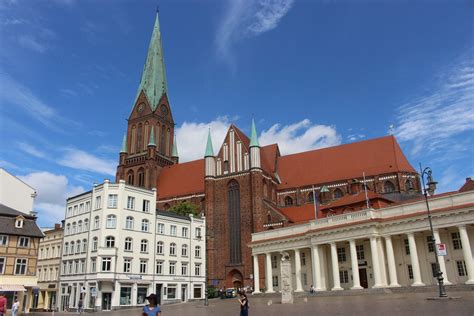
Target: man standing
<point>3,304</point>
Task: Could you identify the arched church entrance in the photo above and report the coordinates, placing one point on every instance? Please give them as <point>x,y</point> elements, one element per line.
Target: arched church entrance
<point>235,279</point>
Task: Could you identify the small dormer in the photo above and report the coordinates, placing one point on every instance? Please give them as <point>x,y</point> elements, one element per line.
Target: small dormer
<point>19,221</point>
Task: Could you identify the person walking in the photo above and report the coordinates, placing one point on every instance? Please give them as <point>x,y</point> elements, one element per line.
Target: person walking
<point>80,307</point>
<point>3,304</point>
<point>312,291</point>
<point>152,309</point>
<point>244,304</point>
<point>15,307</point>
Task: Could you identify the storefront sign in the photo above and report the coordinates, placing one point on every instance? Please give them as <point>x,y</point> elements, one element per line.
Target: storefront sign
<point>135,277</point>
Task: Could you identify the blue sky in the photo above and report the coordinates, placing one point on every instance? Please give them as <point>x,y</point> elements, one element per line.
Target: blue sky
<point>311,73</point>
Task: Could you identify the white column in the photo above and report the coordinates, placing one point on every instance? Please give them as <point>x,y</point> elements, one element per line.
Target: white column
<point>466,250</point>
<point>316,268</point>
<point>392,268</point>
<point>299,286</point>
<point>383,269</point>
<point>355,266</point>
<point>442,264</point>
<point>324,267</point>
<point>375,262</point>
<point>415,264</point>
<point>256,275</point>
<point>268,271</point>
<point>335,269</point>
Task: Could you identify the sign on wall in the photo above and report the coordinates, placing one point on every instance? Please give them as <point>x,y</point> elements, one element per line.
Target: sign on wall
<point>441,250</point>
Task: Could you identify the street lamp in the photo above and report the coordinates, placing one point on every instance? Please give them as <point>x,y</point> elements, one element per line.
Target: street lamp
<point>430,190</point>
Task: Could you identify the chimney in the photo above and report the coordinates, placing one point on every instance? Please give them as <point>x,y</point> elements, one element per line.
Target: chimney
<point>57,226</point>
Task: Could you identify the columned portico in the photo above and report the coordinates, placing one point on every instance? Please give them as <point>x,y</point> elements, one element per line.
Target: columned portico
<point>355,266</point>
<point>415,263</point>
<point>466,250</point>
<point>268,271</point>
<point>375,262</point>
<point>442,264</point>
<point>316,265</point>
<point>299,286</point>
<point>256,275</point>
<point>335,268</point>
<point>392,268</point>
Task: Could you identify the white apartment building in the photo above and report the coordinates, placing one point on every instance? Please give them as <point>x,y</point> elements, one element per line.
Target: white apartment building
<point>15,193</point>
<point>117,249</point>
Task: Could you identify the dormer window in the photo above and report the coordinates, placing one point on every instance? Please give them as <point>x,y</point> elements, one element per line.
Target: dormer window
<point>19,222</point>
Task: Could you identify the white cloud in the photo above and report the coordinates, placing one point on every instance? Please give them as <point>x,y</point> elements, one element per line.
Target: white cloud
<point>300,136</point>
<point>248,18</point>
<point>81,160</point>
<point>191,137</point>
<point>434,122</point>
<point>29,42</point>
<point>52,191</point>
<point>29,149</point>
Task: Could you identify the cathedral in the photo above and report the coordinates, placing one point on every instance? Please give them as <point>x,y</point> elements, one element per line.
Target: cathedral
<point>243,187</point>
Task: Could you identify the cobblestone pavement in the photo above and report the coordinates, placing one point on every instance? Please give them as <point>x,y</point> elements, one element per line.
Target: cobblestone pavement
<point>380,304</point>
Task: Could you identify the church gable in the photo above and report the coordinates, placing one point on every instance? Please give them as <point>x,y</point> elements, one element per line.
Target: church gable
<point>233,155</point>
<point>142,107</point>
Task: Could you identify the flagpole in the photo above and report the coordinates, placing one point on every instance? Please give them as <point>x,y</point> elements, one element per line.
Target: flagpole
<point>315,205</point>
<point>365,190</point>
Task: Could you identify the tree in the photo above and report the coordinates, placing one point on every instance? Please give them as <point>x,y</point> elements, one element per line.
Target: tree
<point>185,208</point>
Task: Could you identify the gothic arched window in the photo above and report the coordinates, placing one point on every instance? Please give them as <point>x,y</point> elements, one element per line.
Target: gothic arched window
<point>163,140</point>
<point>388,187</point>
<point>409,185</point>
<point>310,197</point>
<point>138,147</point>
<point>130,177</point>
<point>141,178</point>
<point>338,193</point>
<point>288,201</point>
<point>233,199</point>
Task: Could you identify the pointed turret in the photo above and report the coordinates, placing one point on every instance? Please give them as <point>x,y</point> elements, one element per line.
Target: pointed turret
<point>209,158</point>
<point>153,82</point>
<point>174,152</point>
<point>254,148</point>
<point>152,137</point>
<point>123,149</point>
<point>253,136</point>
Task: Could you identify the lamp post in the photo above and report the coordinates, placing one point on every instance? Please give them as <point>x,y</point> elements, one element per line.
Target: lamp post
<point>430,190</point>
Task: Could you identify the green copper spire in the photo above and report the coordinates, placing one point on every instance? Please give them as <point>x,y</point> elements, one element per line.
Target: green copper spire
<point>124,144</point>
<point>253,136</point>
<point>153,81</point>
<point>209,150</point>
<point>174,152</point>
<point>152,137</point>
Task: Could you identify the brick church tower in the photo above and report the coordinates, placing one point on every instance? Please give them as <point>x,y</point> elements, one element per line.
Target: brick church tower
<point>149,145</point>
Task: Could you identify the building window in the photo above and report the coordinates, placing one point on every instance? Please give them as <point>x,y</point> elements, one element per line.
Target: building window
<point>305,279</point>
<point>109,241</point>
<point>84,245</point>
<point>172,268</point>
<point>112,202</point>
<point>410,272</point>
<point>79,227</point>
<point>19,223</point>
<point>338,193</point>
<point>184,250</point>
<point>131,178</point>
<point>86,225</point>
<point>111,221</point>
<point>288,201</point>
<point>125,295</point>
<point>143,265</point>
<point>141,294</point>
<point>145,225</point>
<point>160,248</point>
<point>344,276</point>
<point>310,197</point>
<point>146,206</point>
<point>456,240</point>
<point>131,203</point>
<point>275,280</point>
<point>303,258</point>
<point>3,240</point>
<point>197,291</point>
<point>434,270</point>
<point>71,249</point>
<point>173,230</point>
<point>234,221</point>
<point>274,262</point>
<point>461,265</point>
<point>128,244</point>
<point>144,246</point>
<point>360,252</point>
<point>141,178</point>
<point>197,269</point>
<point>73,229</point>
<point>226,166</point>
<point>81,208</point>
<point>78,246</point>
<point>388,187</point>
<point>93,265</point>
<point>172,249</point>
<point>68,229</point>
<point>94,244</point>
<point>159,267</point>
<point>88,206</point>
<point>23,242</point>
<point>106,264</point>
<point>160,228</point>
<point>407,246</point>
<point>341,254</point>
<point>2,265</point>
<point>198,232</point>
<point>184,269</point>
<point>66,248</point>
<point>98,202</point>
<point>197,251</point>
<point>184,232</point>
<point>20,266</point>
<point>409,185</point>
<point>96,222</point>
<point>430,243</point>
<point>129,222</point>
<point>171,292</point>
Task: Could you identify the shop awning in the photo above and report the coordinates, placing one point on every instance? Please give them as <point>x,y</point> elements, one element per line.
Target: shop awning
<point>12,288</point>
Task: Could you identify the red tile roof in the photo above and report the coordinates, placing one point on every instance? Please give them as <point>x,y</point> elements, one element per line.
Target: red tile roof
<point>268,158</point>
<point>351,199</point>
<point>468,186</point>
<point>181,179</point>
<point>374,157</point>
<point>300,213</point>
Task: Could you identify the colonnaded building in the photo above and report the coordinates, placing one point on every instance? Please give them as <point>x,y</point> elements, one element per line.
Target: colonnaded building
<point>245,188</point>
